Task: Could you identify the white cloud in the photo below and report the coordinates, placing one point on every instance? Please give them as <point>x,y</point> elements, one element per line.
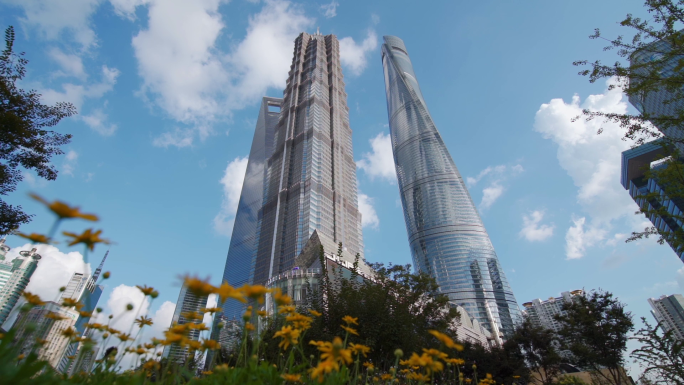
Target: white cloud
<point>490,195</point>
<point>126,8</point>
<point>52,18</point>
<point>69,163</point>
<point>184,71</point>
<point>533,230</point>
<point>380,161</point>
<point>76,94</point>
<point>591,160</point>
<point>680,278</point>
<point>577,239</point>
<point>97,121</point>
<point>179,137</point>
<point>355,56</point>
<point>232,181</point>
<point>54,270</point>
<point>369,218</point>
<point>330,10</point>
<point>496,177</point>
<point>72,65</point>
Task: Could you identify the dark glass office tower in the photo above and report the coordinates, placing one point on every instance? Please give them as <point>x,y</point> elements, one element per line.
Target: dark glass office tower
<point>243,242</point>
<point>311,175</point>
<point>446,234</point>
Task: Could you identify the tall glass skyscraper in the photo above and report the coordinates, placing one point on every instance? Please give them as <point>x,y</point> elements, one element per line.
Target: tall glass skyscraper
<point>446,234</point>
<point>311,175</point>
<point>243,242</point>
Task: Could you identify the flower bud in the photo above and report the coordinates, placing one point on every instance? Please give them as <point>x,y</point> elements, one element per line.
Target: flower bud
<point>106,275</point>
<point>398,353</point>
<point>129,307</point>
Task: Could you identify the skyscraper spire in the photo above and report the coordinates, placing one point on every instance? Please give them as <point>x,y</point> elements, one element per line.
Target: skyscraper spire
<point>99,268</point>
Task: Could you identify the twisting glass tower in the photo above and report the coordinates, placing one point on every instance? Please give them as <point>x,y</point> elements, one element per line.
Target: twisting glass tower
<point>446,234</point>
<point>311,175</point>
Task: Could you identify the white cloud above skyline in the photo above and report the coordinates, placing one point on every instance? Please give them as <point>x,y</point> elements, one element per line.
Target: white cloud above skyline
<point>369,217</point>
<point>354,55</point>
<point>533,230</point>
<point>379,163</point>
<point>497,178</point>
<point>592,161</point>
<point>330,10</point>
<point>232,181</point>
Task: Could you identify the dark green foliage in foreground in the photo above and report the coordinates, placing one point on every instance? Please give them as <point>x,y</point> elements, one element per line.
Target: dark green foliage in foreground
<point>539,348</point>
<point>661,355</point>
<point>595,330</point>
<point>24,141</point>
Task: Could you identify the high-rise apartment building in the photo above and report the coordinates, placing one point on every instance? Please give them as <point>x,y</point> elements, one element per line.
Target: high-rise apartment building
<point>669,312</point>
<point>21,270</point>
<point>310,176</point>
<point>243,242</point>
<point>188,302</point>
<point>446,235</point>
<point>636,163</point>
<point>542,313</point>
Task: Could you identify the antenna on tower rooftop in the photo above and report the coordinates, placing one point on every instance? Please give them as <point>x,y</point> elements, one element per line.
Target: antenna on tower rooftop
<point>318,30</point>
<point>99,268</point>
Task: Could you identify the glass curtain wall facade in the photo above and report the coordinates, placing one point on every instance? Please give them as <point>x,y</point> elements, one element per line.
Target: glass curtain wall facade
<point>243,242</point>
<point>446,234</point>
<point>187,303</point>
<point>311,175</point>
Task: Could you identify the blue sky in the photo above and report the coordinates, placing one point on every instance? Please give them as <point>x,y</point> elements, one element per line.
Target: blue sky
<point>168,94</point>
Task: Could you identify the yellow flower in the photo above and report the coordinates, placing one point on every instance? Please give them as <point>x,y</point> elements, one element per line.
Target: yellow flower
<point>286,309</point>
<point>148,291</point>
<point>70,302</point>
<point>350,320</point>
<point>435,354</point>
<point>418,377</point>
<point>20,357</point>
<point>35,238</point>
<point>385,376</point>
<point>369,365</point>
<point>63,211</point>
<point>350,330</point>
<point>226,291</point>
<point>291,377</point>
<point>33,299</point>
<point>256,292</point>
<point>198,286</point>
<point>69,332</point>
<point>334,351</point>
<point>322,368</point>
<point>468,380</point>
<point>88,238</point>
<point>142,321</point>
<point>210,310</point>
<point>262,313</point>
<point>427,361</point>
<point>359,349</point>
<point>280,298</point>
<point>211,344</point>
<point>455,361</point>
<point>200,326</point>
<point>289,336</point>
<point>315,313</point>
<point>85,314</point>
<point>192,315</point>
<point>151,365</point>
<point>249,326</point>
<point>516,377</point>
<point>299,321</point>
<point>207,372</point>
<point>124,337</point>
<point>446,340</point>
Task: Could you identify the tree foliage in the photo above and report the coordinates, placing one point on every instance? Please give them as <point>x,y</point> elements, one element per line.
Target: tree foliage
<point>661,355</point>
<point>24,140</point>
<point>653,68</point>
<point>539,347</point>
<point>595,328</point>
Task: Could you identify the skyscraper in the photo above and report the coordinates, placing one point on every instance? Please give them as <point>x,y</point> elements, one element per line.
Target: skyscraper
<point>187,303</point>
<point>310,176</point>
<point>669,312</point>
<point>446,235</point>
<point>635,164</point>
<point>22,269</point>
<point>541,313</point>
<point>243,242</point>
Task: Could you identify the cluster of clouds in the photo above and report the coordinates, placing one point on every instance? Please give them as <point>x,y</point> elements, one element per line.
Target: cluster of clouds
<point>496,178</point>
<point>593,163</point>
